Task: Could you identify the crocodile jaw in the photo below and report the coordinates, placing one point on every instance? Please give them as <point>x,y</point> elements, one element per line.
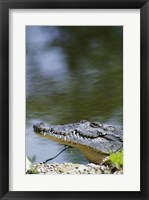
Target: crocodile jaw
<point>90,153</point>
<point>90,143</point>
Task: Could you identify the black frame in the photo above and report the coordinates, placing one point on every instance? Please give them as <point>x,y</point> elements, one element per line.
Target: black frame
<point>5,5</point>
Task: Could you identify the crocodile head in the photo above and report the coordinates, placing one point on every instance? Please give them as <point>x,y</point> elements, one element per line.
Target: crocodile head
<point>95,140</point>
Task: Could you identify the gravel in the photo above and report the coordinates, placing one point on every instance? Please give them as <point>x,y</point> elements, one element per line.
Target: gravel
<point>73,168</point>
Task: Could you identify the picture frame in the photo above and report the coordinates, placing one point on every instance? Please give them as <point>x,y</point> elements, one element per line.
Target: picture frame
<point>5,6</point>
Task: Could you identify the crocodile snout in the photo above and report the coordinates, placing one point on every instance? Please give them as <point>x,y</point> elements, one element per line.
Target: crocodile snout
<point>39,126</point>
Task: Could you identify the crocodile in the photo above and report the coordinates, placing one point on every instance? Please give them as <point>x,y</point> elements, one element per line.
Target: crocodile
<point>95,140</point>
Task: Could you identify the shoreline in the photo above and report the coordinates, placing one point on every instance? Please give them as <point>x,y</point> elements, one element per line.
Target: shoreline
<point>73,168</point>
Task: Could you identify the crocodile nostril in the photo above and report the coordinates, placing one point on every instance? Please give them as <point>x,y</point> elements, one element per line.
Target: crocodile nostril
<point>41,123</point>
<point>35,126</point>
<point>38,125</point>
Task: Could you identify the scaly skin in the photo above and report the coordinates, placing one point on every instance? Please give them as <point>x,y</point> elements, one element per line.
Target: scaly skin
<point>95,140</point>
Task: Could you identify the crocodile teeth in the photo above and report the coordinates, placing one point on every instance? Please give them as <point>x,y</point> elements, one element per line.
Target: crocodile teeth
<point>81,138</point>
<point>65,138</point>
<point>75,137</point>
<point>44,134</point>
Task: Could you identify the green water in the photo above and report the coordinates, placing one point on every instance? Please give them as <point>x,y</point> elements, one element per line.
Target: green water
<point>72,73</point>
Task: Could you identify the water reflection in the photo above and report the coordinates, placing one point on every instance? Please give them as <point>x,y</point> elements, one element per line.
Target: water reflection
<point>72,73</point>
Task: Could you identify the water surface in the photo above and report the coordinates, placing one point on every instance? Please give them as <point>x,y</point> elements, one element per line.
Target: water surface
<point>72,73</point>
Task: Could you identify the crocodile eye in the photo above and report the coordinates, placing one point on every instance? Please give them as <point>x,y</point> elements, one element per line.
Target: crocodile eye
<point>95,124</point>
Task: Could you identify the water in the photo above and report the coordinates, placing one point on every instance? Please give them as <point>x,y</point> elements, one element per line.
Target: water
<point>72,73</point>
